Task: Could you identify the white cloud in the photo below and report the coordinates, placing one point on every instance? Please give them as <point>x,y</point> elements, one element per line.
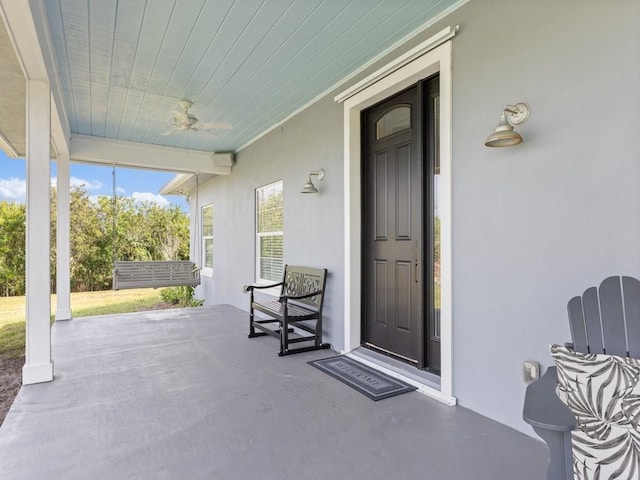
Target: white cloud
<point>80,182</point>
<point>13,189</point>
<point>88,184</point>
<point>150,197</point>
<point>120,190</point>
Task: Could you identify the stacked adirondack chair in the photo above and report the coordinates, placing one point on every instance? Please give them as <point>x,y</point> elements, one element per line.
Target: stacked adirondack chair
<point>587,407</point>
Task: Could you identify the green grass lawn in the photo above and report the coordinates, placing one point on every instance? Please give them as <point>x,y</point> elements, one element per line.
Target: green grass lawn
<point>83,304</point>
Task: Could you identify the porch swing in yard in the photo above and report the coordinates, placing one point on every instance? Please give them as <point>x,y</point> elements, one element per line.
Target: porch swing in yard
<point>152,273</point>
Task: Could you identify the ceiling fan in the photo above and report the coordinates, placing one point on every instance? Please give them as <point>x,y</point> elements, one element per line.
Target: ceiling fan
<point>186,121</point>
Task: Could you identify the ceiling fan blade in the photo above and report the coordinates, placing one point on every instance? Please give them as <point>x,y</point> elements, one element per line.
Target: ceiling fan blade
<point>213,126</point>
<point>204,132</point>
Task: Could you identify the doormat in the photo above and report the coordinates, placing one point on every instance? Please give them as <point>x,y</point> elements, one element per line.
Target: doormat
<point>372,383</point>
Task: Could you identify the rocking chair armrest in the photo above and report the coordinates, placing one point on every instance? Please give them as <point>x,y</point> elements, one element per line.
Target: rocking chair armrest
<point>284,298</point>
<point>249,288</point>
<point>543,408</point>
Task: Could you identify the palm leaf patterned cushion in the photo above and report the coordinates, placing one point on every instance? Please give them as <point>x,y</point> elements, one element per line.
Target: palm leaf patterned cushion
<point>603,392</point>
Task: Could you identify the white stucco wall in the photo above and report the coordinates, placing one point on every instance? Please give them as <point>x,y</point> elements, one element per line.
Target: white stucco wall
<point>533,225</point>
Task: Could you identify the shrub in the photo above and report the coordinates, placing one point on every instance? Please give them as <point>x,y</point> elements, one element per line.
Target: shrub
<point>181,296</point>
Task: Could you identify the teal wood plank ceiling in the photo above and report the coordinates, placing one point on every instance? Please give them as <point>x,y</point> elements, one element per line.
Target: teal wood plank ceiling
<point>125,65</point>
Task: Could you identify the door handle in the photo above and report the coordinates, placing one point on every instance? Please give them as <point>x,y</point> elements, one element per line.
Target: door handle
<point>415,271</point>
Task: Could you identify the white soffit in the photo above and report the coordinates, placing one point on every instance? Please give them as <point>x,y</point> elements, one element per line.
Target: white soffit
<point>27,30</point>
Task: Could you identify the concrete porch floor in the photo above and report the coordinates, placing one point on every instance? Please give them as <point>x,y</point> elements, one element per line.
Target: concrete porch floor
<point>184,394</point>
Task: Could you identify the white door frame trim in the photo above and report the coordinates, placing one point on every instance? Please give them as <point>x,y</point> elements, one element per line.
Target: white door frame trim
<point>433,61</point>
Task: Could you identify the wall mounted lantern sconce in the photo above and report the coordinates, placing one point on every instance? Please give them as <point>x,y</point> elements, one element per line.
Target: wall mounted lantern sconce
<point>504,135</point>
<point>309,187</point>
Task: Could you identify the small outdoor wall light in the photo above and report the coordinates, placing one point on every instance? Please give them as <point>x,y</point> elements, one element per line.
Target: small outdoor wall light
<point>309,187</point>
<point>504,135</point>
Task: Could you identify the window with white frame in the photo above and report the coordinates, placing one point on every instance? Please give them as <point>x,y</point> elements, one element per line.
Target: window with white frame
<point>207,237</point>
<point>269,233</point>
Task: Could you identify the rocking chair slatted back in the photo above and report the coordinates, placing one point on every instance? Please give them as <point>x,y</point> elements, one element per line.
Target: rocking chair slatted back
<point>300,281</point>
<point>617,300</point>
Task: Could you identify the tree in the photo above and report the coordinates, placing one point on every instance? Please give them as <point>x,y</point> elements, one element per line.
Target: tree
<point>147,231</point>
<point>90,260</point>
<point>101,230</point>
<point>12,248</point>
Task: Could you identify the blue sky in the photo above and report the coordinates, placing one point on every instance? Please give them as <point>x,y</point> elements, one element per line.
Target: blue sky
<point>142,185</point>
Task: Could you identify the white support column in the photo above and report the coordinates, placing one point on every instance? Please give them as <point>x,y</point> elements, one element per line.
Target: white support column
<point>63,274</point>
<point>39,366</point>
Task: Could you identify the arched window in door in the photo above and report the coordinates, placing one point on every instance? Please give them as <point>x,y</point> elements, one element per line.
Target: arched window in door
<point>395,120</point>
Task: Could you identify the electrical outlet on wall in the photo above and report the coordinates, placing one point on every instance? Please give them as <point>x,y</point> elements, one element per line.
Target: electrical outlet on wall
<point>531,371</point>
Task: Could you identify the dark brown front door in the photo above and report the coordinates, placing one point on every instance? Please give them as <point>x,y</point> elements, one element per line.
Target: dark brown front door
<point>396,165</point>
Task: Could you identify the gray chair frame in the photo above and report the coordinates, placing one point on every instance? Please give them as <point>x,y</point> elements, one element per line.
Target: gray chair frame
<point>603,320</point>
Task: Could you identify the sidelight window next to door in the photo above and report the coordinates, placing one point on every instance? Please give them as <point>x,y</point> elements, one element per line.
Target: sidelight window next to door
<point>432,125</point>
<point>401,226</point>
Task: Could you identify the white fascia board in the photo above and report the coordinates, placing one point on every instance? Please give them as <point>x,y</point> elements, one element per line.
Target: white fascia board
<point>60,130</point>
<point>107,151</point>
<point>28,28</point>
